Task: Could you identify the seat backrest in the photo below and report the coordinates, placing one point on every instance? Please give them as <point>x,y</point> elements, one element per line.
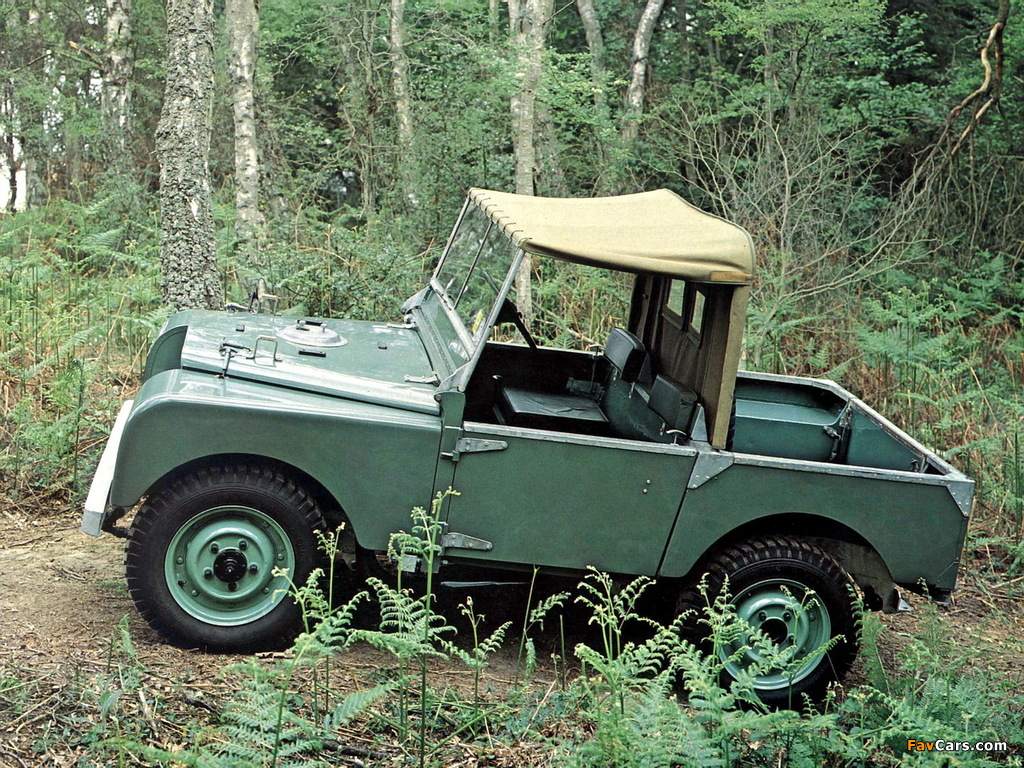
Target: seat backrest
<point>626,353</point>
<point>675,403</point>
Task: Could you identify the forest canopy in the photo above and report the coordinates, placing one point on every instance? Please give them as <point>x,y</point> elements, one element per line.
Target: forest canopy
<point>872,149</point>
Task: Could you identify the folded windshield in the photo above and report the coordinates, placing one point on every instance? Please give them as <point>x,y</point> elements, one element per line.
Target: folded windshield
<point>473,272</point>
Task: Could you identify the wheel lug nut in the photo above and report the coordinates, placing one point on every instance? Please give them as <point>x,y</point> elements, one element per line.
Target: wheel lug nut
<point>762,616</point>
<point>243,544</point>
<point>207,574</point>
<point>787,616</point>
<point>232,586</point>
<point>215,547</point>
<point>254,569</point>
<point>181,582</point>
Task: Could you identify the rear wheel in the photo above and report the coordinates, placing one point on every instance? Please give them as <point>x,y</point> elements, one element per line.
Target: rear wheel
<point>203,550</point>
<point>798,596</point>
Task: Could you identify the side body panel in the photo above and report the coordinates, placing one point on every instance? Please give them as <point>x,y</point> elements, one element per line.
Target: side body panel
<point>568,501</point>
<point>377,462</point>
<point>911,519</point>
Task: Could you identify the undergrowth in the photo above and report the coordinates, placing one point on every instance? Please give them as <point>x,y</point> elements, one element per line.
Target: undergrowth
<point>636,699</point>
<point>79,305</point>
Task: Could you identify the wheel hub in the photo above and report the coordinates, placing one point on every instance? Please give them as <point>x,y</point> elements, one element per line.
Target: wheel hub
<point>792,617</point>
<point>230,566</point>
<point>220,566</point>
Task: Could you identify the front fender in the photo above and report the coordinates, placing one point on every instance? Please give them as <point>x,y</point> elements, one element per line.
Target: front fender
<point>377,462</point>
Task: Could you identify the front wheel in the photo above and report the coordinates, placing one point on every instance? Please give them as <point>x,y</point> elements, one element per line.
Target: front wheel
<point>800,598</point>
<point>212,556</point>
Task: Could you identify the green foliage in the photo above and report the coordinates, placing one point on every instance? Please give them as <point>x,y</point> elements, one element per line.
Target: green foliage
<point>77,307</point>
<point>804,121</point>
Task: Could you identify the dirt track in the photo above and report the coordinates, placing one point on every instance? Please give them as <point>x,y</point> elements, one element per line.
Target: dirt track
<point>62,597</point>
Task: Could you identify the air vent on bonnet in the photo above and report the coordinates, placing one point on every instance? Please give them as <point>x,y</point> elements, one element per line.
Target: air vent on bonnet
<point>311,333</point>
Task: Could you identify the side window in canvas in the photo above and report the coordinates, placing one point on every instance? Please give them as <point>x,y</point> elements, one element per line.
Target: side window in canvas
<point>696,314</point>
<point>685,306</point>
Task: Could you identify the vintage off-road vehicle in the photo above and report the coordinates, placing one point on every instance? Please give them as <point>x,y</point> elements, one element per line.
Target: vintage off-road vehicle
<point>654,457</point>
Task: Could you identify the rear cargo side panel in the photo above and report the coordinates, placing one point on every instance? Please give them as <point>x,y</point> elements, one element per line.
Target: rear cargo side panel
<point>912,520</point>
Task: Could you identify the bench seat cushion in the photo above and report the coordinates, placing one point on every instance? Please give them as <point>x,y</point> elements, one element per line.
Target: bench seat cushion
<point>544,410</point>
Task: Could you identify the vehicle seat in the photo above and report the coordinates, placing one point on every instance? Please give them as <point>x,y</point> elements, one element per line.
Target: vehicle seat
<point>675,404</point>
<point>570,412</point>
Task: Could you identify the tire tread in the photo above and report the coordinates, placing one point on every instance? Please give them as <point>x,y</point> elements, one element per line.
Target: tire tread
<point>178,491</point>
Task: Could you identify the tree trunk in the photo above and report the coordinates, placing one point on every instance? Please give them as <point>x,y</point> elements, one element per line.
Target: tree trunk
<point>118,66</point>
<point>33,131</point>
<point>187,246</point>
<point>595,44</point>
<point>528,21</point>
<point>605,172</point>
<point>637,89</point>
<point>243,25</point>
<point>403,106</point>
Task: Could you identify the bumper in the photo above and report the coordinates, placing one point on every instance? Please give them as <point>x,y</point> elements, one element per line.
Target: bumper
<point>96,501</point>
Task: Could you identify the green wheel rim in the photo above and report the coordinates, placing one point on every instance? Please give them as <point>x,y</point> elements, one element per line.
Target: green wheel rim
<point>793,616</point>
<point>219,565</point>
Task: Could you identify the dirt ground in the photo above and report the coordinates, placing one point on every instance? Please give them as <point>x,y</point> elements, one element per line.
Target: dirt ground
<point>62,597</point>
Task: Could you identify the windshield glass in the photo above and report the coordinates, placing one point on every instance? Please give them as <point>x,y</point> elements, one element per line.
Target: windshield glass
<point>473,271</point>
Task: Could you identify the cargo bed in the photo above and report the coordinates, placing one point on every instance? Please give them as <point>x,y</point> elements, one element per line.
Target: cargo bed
<point>817,420</point>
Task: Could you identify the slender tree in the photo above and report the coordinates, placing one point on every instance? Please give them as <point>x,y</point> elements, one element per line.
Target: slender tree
<point>115,96</point>
<point>243,26</point>
<point>187,245</point>
<point>636,91</point>
<point>528,20</point>
<point>403,104</point>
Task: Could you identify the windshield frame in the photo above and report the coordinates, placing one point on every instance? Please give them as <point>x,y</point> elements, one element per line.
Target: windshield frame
<point>473,343</point>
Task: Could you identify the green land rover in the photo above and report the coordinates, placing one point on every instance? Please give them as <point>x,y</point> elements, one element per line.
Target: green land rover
<point>656,456</point>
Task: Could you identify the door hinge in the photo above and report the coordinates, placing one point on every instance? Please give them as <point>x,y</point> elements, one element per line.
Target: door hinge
<point>464,541</point>
<point>474,445</point>
<point>477,445</point>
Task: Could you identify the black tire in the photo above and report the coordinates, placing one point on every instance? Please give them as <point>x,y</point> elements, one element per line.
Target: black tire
<point>202,551</point>
<point>769,580</point>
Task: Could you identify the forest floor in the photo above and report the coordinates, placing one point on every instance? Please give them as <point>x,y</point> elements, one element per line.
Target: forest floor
<point>63,599</point>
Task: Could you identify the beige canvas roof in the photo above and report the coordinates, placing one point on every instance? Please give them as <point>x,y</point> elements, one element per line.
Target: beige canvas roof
<point>646,232</point>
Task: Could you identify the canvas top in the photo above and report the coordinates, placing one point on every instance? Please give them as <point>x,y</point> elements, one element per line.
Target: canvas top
<point>655,232</point>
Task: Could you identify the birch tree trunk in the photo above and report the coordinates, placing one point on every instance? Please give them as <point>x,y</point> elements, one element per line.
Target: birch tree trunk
<point>243,26</point>
<point>187,246</point>
<point>118,66</point>
<point>33,137</point>
<point>603,128</point>
<point>595,44</point>
<point>637,89</point>
<point>407,170</point>
<point>528,21</point>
